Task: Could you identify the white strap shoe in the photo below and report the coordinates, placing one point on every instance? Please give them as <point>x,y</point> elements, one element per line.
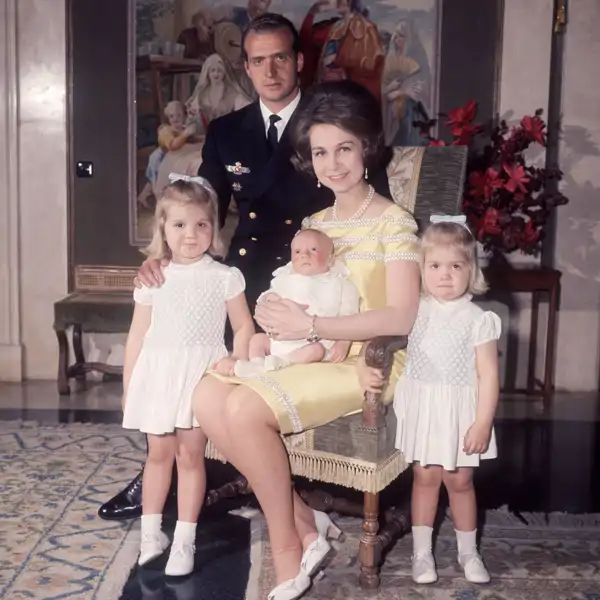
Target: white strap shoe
<point>474,569</point>
<point>152,546</point>
<point>423,568</point>
<point>326,527</point>
<point>181,559</point>
<point>314,556</point>
<point>292,588</point>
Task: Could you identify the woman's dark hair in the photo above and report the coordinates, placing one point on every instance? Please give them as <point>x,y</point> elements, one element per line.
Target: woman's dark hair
<point>344,104</point>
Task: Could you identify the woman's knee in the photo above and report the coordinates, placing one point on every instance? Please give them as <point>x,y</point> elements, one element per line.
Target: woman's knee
<point>209,394</point>
<point>429,476</point>
<point>459,481</point>
<point>244,409</point>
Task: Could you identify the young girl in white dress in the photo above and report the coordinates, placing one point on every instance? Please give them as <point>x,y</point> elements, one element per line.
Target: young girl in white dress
<point>176,335</point>
<point>446,399</point>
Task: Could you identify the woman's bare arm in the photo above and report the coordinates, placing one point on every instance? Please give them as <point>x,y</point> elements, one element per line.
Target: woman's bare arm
<point>403,284</point>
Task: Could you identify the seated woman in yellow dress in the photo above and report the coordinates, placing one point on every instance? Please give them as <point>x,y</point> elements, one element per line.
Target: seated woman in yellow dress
<point>337,135</point>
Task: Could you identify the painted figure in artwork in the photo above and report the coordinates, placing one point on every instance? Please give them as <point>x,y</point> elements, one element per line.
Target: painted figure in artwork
<point>199,38</point>
<point>346,47</point>
<point>217,93</point>
<point>173,135</point>
<point>406,87</point>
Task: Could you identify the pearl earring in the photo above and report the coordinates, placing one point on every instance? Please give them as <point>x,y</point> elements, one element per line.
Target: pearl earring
<point>318,183</point>
<point>366,173</point>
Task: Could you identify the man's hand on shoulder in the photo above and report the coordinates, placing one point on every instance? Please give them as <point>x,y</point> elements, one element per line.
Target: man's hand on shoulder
<point>150,273</point>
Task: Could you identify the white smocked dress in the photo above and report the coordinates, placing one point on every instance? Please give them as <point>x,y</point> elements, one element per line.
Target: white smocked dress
<point>185,338</point>
<point>436,397</point>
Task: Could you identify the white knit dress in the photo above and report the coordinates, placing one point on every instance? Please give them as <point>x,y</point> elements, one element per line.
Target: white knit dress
<point>436,397</point>
<point>185,338</point>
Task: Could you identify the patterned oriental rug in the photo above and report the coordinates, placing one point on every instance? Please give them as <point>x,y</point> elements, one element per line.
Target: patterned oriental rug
<point>52,544</point>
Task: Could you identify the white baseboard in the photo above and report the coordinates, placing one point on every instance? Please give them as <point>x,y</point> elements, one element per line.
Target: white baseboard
<point>11,363</point>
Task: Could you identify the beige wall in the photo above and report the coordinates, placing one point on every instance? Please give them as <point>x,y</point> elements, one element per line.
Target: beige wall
<point>33,183</point>
<point>578,235</point>
<point>33,267</point>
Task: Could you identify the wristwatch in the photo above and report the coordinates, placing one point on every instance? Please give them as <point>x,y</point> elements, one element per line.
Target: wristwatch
<point>312,336</point>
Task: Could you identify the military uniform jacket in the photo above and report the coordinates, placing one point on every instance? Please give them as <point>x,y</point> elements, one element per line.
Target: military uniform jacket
<point>271,195</point>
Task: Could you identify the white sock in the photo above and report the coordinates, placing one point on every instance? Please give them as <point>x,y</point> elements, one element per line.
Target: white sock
<point>421,539</point>
<point>151,524</point>
<point>185,532</point>
<point>466,542</point>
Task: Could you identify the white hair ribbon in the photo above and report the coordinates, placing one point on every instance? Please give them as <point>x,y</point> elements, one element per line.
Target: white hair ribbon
<point>173,177</point>
<point>458,219</point>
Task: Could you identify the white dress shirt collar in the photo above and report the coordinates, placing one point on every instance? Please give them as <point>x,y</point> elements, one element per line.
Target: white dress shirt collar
<point>285,115</point>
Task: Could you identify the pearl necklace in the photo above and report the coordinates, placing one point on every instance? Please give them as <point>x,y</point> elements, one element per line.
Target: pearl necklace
<point>361,209</point>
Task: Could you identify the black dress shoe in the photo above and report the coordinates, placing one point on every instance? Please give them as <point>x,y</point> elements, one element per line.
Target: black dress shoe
<point>127,504</point>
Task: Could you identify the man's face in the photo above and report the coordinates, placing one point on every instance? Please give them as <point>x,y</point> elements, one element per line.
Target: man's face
<point>273,67</point>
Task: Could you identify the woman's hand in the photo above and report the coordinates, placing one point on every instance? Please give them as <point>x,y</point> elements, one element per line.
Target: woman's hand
<point>284,320</point>
<point>477,439</point>
<point>371,379</point>
<point>150,273</point>
<point>225,366</point>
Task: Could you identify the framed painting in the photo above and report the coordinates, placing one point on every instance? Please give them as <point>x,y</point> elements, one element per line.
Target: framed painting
<point>186,69</point>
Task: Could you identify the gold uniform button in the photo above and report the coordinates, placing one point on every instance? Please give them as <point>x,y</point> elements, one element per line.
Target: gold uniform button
<point>252,215</point>
<point>288,222</point>
<point>242,251</point>
<point>254,239</point>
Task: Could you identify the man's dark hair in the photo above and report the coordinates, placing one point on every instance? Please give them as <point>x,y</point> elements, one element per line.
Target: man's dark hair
<point>344,104</point>
<point>268,23</point>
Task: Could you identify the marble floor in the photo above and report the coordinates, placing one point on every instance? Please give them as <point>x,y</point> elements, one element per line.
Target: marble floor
<point>548,461</point>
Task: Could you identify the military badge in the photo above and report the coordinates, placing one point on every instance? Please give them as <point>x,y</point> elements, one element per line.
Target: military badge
<point>236,187</point>
<point>237,169</point>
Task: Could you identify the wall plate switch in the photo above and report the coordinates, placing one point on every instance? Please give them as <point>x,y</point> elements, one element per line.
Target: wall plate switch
<point>85,168</point>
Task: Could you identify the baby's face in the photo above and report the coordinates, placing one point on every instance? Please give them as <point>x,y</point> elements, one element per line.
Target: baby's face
<point>312,253</point>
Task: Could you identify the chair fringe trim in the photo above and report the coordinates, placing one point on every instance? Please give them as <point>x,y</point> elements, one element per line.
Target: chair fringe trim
<point>360,475</point>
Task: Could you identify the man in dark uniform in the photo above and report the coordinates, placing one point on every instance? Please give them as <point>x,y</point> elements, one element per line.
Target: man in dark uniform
<point>247,154</point>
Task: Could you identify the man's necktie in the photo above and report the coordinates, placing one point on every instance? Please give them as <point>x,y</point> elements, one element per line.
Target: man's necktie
<point>272,132</point>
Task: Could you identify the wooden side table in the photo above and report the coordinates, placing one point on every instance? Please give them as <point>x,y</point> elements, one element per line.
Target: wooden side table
<point>88,312</point>
<point>536,281</point>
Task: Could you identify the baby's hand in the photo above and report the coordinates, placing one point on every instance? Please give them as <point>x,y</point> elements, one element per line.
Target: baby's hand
<point>225,366</point>
<point>338,351</point>
<point>270,297</point>
<point>370,379</point>
<point>477,439</point>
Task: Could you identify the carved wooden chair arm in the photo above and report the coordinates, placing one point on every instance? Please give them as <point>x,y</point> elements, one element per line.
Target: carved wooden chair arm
<point>379,354</point>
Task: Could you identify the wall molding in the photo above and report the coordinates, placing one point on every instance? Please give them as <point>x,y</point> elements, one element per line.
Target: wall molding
<point>11,355</point>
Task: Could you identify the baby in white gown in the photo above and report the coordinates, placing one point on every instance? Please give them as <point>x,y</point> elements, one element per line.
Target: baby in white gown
<point>446,398</point>
<point>312,278</point>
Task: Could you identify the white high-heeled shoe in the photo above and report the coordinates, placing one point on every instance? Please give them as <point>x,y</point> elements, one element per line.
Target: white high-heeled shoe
<point>326,527</point>
<point>291,589</point>
<point>316,553</point>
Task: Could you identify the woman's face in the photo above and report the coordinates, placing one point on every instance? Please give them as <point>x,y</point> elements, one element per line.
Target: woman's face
<point>337,157</point>
<point>216,73</point>
<point>400,37</point>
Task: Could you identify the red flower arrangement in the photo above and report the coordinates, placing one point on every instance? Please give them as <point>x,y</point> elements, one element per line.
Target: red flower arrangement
<point>506,200</point>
